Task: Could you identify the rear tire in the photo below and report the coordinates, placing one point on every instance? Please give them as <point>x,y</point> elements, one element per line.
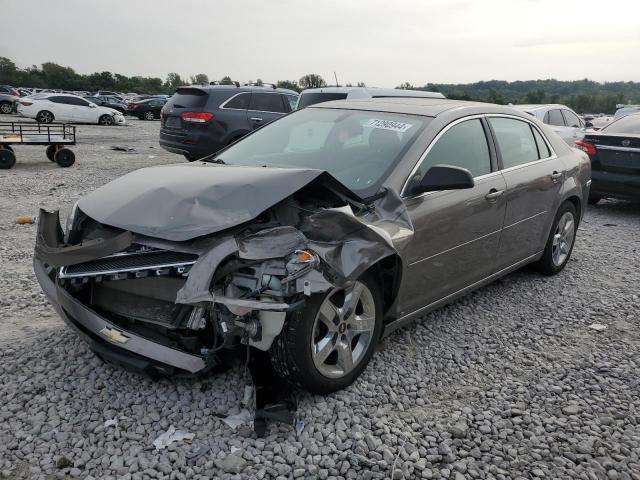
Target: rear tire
<point>149,116</point>
<point>7,159</point>
<point>51,151</point>
<point>560,242</point>
<point>44,116</point>
<point>106,120</point>
<point>297,353</point>
<point>65,157</point>
<point>594,199</point>
<point>6,108</point>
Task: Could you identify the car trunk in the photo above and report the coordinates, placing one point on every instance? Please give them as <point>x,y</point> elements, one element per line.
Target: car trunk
<point>616,153</point>
<point>183,101</point>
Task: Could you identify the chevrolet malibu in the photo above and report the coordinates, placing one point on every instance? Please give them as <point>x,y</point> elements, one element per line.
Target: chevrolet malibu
<point>313,237</point>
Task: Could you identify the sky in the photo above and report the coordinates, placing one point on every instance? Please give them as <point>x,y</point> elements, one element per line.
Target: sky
<point>380,42</point>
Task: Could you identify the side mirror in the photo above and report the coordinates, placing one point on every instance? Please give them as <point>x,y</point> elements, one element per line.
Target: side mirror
<point>445,177</point>
<point>92,105</point>
<point>588,125</point>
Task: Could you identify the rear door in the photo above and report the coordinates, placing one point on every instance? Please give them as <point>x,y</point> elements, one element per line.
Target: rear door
<point>265,107</point>
<point>533,175</point>
<point>63,108</point>
<point>456,232</point>
<point>556,121</point>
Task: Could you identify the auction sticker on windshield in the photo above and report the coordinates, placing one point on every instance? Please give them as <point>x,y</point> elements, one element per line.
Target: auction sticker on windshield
<point>388,125</point>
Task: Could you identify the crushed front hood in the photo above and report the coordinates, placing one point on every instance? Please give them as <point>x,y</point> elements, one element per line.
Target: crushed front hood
<point>184,201</point>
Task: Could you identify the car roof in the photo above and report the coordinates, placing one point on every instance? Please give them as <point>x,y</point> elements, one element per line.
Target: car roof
<point>371,92</point>
<point>243,88</point>
<point>539,106</point>
<point>428,107</point>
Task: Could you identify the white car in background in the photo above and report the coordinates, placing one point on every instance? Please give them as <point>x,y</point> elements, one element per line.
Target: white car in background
<point>560,118</point>
<point>64,107</point>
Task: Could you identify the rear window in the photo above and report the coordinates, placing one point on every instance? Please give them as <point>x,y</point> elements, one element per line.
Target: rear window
<point>628,124</point>
<point>307,99</point>
<point>188,98</point>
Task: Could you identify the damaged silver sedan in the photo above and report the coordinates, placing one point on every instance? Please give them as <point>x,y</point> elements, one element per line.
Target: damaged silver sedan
<point>313,237</point>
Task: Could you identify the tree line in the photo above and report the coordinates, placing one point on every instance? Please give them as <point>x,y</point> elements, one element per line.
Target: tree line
<point>584,96</point>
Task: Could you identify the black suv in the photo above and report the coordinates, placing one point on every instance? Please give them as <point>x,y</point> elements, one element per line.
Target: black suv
<point>199,121</point>
<point>109,101</point>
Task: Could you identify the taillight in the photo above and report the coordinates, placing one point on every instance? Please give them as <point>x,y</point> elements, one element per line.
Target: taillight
<point>196,117</point>
<point>133,106</point>
<point>26,104</point>
<point>588,148</point>
<point>161,114</point>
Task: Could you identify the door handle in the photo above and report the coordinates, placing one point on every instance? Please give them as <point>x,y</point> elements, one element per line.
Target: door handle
<point>256,119</point>
<point>555,176</point>
<point>493,194</point>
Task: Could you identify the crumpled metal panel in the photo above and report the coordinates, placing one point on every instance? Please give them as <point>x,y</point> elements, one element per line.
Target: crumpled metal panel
<point>181,202</point>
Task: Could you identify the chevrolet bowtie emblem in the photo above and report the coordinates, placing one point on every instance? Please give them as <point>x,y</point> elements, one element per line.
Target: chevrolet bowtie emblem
<point>116,336</point>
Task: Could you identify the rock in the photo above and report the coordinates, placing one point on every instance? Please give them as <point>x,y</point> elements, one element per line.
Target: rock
<point>233,464</point>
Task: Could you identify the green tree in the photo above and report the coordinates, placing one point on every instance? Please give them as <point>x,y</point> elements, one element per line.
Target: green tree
<point>226,81</point>
<point>405,86</point>
<point>312,80</point>
<point>290,84</point>
<point>173,81</point>
<point>200,79</point>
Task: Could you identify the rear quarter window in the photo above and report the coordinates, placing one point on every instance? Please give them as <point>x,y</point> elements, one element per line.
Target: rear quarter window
<point>307,99</point>
<point>188,98</point>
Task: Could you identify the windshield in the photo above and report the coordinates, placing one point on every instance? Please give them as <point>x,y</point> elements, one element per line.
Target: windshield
<point>359,148</point>
<point>628,124</point>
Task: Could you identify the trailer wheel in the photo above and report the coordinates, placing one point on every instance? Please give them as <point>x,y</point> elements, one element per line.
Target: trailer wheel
<point>7,159</point>
<point>51,151</point>
<point>64,157</point>
<point>44,116</point>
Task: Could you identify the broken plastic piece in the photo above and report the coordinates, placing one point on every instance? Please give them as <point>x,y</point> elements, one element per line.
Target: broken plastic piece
<point>113,422</point>
<point>24,220</point>
<point>242,418</point>
<point>170,436</point>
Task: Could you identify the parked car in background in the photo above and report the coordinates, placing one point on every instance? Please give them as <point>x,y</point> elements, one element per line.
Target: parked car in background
<point>313,237</point>
<point>615,159</point>
<point>624,110</point>
<point>110,102</point>
<point>8,103</point>
<point>148,109</point>
<point>108,93</point>
<point>562,120</point>
<point>199,121</point>
<point>311,96</point>
<point>9,90</point>
<point>49,107</point>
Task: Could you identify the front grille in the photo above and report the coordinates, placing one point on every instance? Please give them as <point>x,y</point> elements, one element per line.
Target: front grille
<point>130,262</point>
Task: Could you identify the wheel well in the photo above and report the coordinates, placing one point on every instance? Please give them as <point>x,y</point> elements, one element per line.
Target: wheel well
<point>388,273</point>
<point>577,204</point>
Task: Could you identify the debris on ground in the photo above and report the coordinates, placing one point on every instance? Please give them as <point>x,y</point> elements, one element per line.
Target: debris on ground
<point>24,220</point>
<point>242,418</point>
<point>170,436</point>
<point>195,454</point>
<point>118,148</point>
<point>113,422</point>
<point>598,327</point>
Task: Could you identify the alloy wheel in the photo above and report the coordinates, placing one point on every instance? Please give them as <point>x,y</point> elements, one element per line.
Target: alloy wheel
<point>6,108</point>
<point>343,330</point>
<point>563,239</point>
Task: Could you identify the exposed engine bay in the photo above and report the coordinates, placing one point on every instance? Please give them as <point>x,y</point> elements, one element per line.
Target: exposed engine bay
<point>227,287</point>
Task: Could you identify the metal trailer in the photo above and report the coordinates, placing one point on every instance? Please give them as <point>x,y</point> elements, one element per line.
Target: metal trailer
<point>56,136</point>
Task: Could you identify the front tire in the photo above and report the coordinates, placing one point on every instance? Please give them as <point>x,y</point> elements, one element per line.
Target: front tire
<point>106,120</point>
<point>6,108</point>
<point>560,242</point>
<point>326,346</point>
<point>44,116</point>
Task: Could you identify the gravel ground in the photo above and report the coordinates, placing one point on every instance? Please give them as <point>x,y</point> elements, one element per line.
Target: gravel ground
<point>509,382</point>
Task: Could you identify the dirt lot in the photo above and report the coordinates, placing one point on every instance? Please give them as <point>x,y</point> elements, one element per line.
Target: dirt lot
<point>510,382</point>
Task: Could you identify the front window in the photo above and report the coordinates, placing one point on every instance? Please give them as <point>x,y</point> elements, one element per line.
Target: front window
<point>359,148</point>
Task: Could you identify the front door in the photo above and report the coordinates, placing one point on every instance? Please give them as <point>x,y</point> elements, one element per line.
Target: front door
<point>533,175</point>
<point>456,232</point>
<point>265,107</point>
